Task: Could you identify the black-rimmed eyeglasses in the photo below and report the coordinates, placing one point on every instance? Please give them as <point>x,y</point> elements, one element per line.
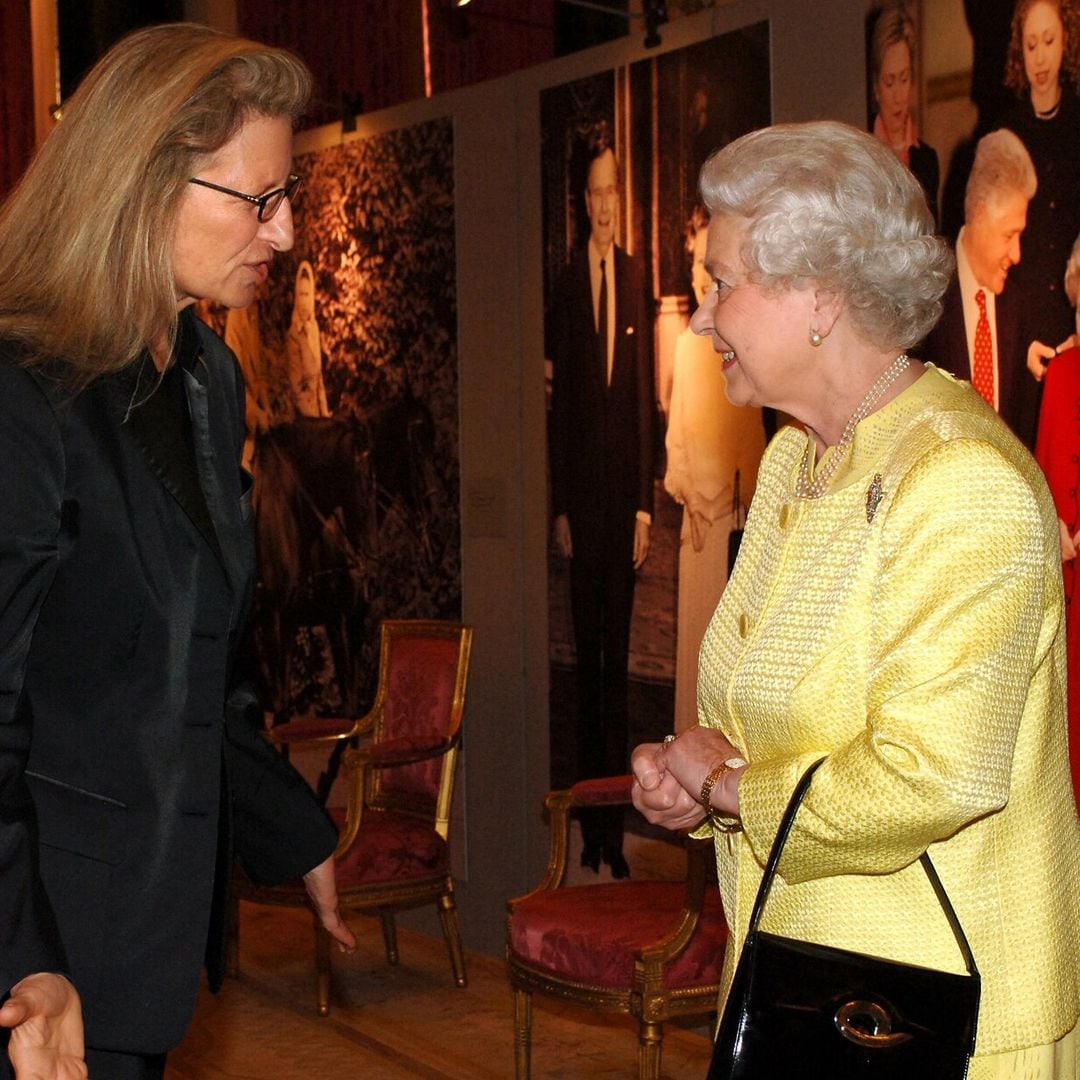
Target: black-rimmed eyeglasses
<point>268,204</point>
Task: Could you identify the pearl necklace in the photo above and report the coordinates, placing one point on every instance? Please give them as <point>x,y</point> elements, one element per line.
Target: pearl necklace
<point>805,488</point>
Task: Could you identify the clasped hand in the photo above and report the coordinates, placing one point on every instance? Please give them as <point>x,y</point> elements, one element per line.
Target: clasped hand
<point>668,778</point>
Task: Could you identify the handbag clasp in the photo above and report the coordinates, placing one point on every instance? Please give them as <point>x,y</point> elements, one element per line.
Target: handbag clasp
<point>868,1024</point>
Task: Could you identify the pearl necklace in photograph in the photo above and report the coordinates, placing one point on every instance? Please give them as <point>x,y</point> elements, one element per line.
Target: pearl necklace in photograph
<point>805,488</point>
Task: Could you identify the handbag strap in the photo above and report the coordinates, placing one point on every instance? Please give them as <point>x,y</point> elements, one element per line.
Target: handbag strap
<point>778,846</point>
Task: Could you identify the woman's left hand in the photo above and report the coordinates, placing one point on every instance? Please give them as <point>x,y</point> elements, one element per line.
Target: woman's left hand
<point>45,1017</point>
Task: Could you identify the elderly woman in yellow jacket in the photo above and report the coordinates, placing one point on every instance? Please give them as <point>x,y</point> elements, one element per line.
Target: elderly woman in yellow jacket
<point>897,606</point>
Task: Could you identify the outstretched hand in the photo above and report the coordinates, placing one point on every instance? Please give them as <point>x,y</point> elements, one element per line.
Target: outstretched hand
<point>321,887</point>
<point>45,1017</point>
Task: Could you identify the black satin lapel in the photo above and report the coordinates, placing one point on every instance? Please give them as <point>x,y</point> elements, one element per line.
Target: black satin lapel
<point>153,425</point>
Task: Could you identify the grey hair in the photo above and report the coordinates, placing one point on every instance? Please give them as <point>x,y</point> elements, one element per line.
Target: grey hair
<point>1002,167</point>
<point>1072,274</point>
<point>829,204</point>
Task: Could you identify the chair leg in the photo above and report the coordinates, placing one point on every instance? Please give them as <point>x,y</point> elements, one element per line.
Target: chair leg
<point>522,1034</point>
<point>389,934</point>
<point>232,940</point>
<point>448,917</point>
<point>322,969</point>
<point>650,1047</point>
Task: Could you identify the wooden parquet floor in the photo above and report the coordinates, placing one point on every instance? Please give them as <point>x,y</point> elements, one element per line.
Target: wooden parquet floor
<point>395,1023</point>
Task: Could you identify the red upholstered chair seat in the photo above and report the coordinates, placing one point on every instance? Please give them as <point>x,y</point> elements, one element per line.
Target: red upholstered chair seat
<point>590,933</point>
<point>653,949</point>
<point>390,846</point>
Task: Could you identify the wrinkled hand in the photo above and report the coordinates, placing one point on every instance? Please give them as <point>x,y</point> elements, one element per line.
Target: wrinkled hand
<point>45,1017</point>
<point>668,778</point>
<point>322,889</point>
<point>563,544</point>
<point>1037,356</point>
<point>660,798</point>
<point>641,542</point>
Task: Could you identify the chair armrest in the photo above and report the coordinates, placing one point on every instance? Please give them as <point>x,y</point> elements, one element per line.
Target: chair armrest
<point>305,730</point>
<point>404,751</point>
<point>602,791</point>
<point>381,755</point>
<point>700,856</point>
<point>313,730</point>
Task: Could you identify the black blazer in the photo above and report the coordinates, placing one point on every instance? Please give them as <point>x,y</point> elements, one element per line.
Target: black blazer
<point>923,163</point>
<point>126,572</point>
<point>601,435</point>
<point>1018,393</point>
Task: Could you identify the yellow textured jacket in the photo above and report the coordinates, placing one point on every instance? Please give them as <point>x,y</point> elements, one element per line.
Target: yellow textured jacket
<point>909,624</point>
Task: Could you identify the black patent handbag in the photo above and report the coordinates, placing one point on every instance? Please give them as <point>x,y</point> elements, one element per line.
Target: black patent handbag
<point>800,1009</point>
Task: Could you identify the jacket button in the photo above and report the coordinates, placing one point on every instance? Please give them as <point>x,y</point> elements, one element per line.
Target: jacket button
<point>744,625</point>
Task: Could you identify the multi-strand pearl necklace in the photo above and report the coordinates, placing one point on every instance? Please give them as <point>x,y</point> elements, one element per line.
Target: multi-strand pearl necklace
<point>805,488</point>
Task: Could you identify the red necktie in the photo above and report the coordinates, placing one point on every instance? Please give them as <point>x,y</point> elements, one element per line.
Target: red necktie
<point>982,371</point>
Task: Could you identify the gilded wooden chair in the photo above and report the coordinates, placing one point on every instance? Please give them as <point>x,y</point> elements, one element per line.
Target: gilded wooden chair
<point>393,852</point>
<point>653,949</point>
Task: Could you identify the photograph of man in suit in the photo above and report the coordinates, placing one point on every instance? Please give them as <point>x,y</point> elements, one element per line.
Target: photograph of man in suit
<point>601,457</point>
<point>984,331</point>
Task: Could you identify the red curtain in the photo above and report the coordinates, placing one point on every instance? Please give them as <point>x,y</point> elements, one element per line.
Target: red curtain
<point>488,39</point>
<point>370,53</point>
<point>366,52</point>
<point>16,92</point>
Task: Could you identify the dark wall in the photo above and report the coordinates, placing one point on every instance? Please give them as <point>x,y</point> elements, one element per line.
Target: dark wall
<point>88,27</point>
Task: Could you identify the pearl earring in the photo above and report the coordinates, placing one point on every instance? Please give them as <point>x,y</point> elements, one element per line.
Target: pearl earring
<point>815,338</point>
<point>727,356</point>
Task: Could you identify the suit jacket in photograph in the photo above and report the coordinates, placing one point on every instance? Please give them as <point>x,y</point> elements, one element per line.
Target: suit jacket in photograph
<point>1018,393</point>
<point>129,766</point>
<point>601,435</point>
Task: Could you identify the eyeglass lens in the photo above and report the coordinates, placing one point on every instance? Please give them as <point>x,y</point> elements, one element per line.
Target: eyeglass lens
<point>291,190</point>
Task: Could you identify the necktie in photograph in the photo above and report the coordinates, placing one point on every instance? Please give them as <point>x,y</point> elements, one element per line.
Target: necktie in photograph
<point>982,371</point>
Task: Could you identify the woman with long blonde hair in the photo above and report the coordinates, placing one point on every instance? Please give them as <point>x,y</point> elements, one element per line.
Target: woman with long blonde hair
<point>130,769</point>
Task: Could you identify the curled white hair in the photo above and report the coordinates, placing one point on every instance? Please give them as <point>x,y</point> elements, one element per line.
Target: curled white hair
<point>828,204</point>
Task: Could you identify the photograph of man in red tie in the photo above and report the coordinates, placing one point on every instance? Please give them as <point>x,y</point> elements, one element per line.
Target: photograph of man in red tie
<point>985,328</point>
